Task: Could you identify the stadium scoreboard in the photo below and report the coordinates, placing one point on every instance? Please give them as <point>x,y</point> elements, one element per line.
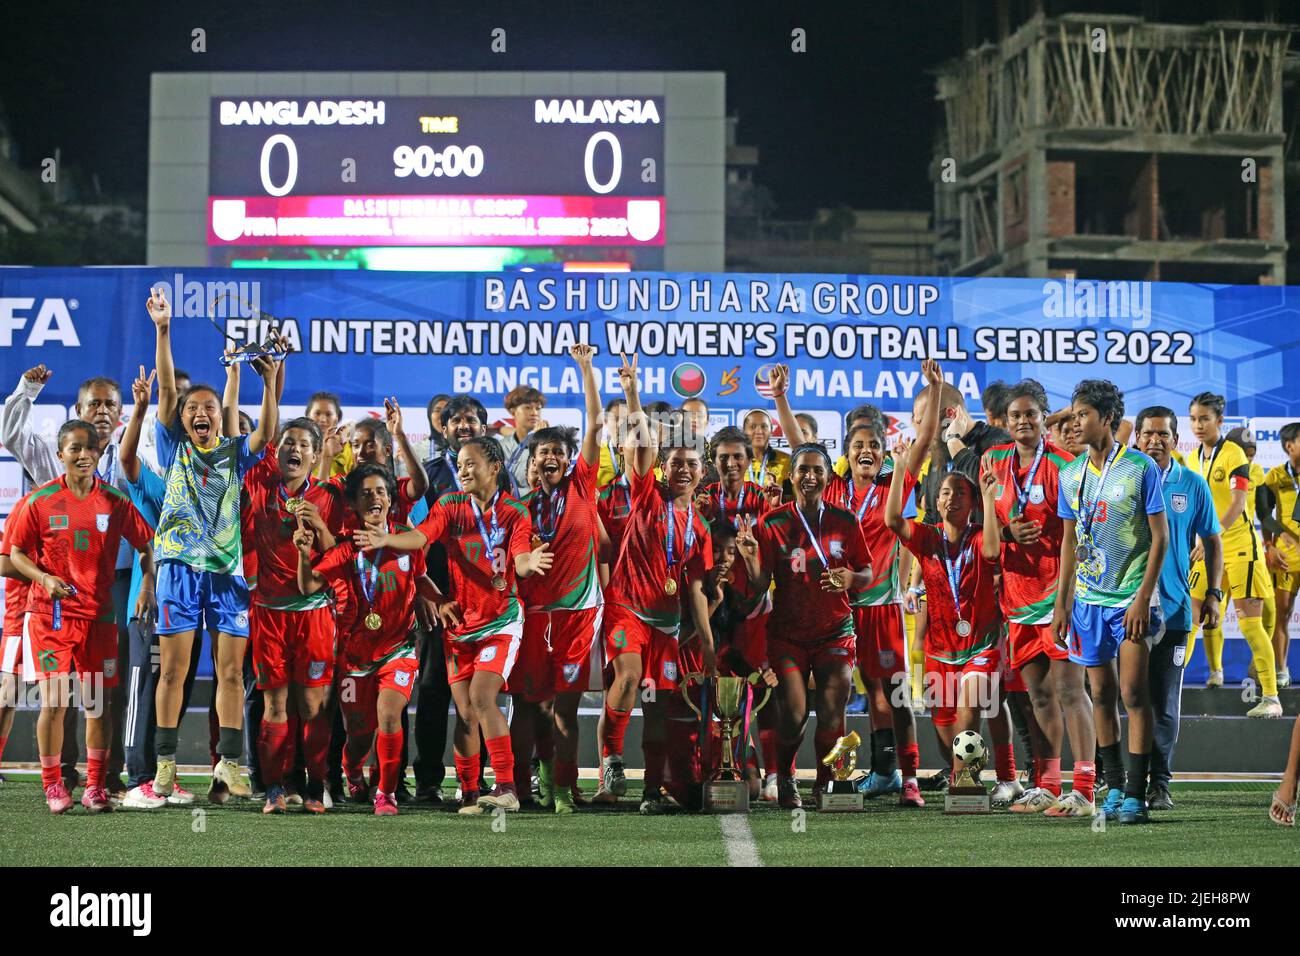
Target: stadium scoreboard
<point>436,170</point>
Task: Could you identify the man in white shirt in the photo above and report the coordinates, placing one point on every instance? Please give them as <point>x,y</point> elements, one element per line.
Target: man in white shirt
<point>99,402</point>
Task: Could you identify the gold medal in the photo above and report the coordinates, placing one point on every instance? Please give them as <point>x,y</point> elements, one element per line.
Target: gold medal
<point>535,541</point>
<point>670,586</point>
<point>373,621</point>
<point>293,504</point>
<point>499,582</point>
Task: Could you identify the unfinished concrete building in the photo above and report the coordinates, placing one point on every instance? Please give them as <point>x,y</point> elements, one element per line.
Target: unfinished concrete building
<point>1075,140</point>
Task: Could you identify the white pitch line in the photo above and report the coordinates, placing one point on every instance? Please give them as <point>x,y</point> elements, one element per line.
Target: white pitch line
<point>739,841</point>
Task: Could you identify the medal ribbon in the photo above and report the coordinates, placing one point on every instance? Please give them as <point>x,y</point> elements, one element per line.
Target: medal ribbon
<point>450,458</point>
<point>1022,494</point>
<point>868,499</point>
<point>760,477</point>
<point>671,534</point>
<point>1200,458</point>
<point>368,573</point>
<point>283,492</point>
<point>955,568</point>
<point>1086,516</point>
<point>490,540</point>
<point>740,502</point>
<point>816,541</point>
<point>546,530</point>
<point>109,476</point>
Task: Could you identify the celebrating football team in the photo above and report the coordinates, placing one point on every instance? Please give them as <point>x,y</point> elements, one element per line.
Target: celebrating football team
<point>1032,573</point>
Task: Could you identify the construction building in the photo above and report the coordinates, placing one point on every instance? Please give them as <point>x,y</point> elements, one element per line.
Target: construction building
<point>1141,141</point>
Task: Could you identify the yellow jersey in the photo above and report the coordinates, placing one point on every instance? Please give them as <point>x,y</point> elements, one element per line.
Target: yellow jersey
<point>1226,469</point>
<point>775,465</point>
<point>1285,483</point>
<point>1256,479</point>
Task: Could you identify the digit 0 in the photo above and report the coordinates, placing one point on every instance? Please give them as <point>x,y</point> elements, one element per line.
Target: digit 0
<point>588,165</point>
<point>279,139</point>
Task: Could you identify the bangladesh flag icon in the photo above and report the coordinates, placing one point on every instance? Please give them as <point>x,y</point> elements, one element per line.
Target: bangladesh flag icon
<point>688,380</point>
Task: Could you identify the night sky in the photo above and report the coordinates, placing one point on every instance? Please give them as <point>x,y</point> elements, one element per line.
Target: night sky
<point>848,122</point>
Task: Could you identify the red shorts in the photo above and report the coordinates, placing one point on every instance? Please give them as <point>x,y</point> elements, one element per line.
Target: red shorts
<point>292,647</point>
<point>943,682</point>
<point>556,652</point>
<point>1027,641</point>
<point>625,633</point>
<point>882,641</point>
<point>495,654</point>
<point>806,658</point>
<point>359,696</point>
<point>747,651</point>
<point>83,647</point>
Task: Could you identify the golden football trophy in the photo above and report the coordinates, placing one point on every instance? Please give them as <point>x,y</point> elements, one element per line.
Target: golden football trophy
<point>967,794</point>
<point>726,790</point>
<point>841,794</point>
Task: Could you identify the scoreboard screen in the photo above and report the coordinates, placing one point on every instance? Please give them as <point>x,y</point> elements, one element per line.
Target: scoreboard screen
<point>436,171</point>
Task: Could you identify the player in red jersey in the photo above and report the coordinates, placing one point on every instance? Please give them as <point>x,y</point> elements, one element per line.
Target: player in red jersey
<point>817,556</point>
<point>379,658</point>
<point>737,500</point>
<point>13,664</point>
<point>565,607</point>
<point>666,552</point>
<point>958,564</point>
<point>1025,474</point>
<point>292,633</point>
<point>373,443</point>
<point>487,534</point>
<point>66,542</point>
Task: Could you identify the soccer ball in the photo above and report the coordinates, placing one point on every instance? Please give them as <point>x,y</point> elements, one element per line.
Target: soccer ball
<point>968,747</point>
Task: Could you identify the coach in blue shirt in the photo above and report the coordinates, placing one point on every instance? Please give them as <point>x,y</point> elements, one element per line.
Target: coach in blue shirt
<point>1190,512</point>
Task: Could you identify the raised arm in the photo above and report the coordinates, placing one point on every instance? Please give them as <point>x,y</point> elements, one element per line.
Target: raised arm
<point>230,401</point>
<point>894,519</point>
<point>779,381</point>
<point>269,418</point>
<point>419,481</point>
<point>929,428</point>
<point>33,452</point>
<point>991,548</point>
<point>590,450</point>
<point>160,311</point>
<point>641,446</point>
<point>141,389</point>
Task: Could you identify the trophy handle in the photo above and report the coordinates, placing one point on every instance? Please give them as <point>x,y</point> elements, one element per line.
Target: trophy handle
<point>756,678</point>
<point>696,677</point>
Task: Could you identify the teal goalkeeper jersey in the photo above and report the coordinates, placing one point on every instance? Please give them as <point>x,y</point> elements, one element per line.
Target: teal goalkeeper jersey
<point>1120,533</point>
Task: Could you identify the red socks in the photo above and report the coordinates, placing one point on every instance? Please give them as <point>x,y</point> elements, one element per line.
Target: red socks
<point>502,761</point>
<point>909,760</point>
<point>1004,759</point>
<point>388,748</point>
<point>654,751</point>
<point>1085,778</point>
<point>767,742</point>
<point>95,761</point>
<point>615,729</point>
<point>49,770</point>
<point>467,772</point>
<point>1048,772</point>
<point>272,744</point>
<point>566,774</point>
<point>316,735</point>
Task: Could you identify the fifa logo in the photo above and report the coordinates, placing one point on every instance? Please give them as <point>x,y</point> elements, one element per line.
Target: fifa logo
<point>798,561</point>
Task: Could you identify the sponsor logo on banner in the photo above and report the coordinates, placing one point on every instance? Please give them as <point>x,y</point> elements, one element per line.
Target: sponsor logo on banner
<point>1178,501</point>
<point>688,380</point>
<point>643,219</point>
<point>228,219</point>
<point>101,523</point>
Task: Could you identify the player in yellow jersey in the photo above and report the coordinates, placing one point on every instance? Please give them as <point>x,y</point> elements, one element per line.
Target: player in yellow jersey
<point>1225,468</point>
<point>1282,535</point>
<point>1255,494</point>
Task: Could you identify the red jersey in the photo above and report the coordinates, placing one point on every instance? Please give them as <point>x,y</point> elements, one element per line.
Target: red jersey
<point>614,505</point>
<point>1029,571</point>
<point>567,519</point>
<point>473,563</point>
<point>400,510</point>
<point>802,613</point>
<point>868,506</point>
<point>749,503</point>
<point>16,589</point>
<point>392,597</point>
<point>979,600</point>
<point>77,540</point>
<point>640,575</point>
<point>268,535</point>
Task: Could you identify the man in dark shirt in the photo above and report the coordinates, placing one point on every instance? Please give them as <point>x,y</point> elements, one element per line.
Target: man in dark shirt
<point>960,447</point>
<point>462,418</point>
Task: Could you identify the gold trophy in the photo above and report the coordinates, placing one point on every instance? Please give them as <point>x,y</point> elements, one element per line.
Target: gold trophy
<point>841,794</point>
<point>967,794</point>
<point>726,790</point>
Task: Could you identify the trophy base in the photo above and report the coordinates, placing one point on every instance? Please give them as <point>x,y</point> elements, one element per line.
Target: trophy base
<point>966,800</point>
<point>840,796</point>
<point>726,796</point>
